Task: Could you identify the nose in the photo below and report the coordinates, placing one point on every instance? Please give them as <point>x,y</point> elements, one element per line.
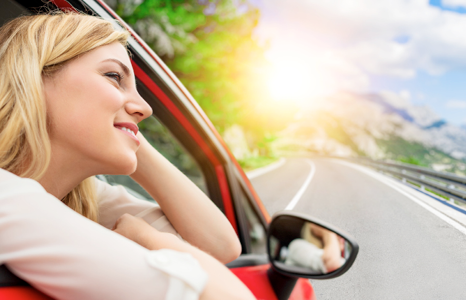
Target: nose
<point>138,107</point>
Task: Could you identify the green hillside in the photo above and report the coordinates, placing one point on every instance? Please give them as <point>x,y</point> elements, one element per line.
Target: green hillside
<point>414,153</point>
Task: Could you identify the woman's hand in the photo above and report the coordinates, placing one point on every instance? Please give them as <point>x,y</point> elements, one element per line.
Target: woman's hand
<point>135,229</point>
<point>317,230</point>
<point>194,216</point>
<point>332,247</point>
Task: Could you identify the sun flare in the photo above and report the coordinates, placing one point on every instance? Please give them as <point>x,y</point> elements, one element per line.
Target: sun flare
<point>294,83</point>
<point>299,79</point>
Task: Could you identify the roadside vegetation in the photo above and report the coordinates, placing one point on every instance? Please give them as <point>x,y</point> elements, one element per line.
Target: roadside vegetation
<point>252,163</point>
<point>211,48</point>
<point>417,154</point>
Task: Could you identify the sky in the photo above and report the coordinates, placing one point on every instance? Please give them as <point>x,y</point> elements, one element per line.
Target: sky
<point>416,48</point>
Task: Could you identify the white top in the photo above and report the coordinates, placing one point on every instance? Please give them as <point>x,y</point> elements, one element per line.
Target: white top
<point>67,256</point>
<point>114,201</point>
<point>302,253</point>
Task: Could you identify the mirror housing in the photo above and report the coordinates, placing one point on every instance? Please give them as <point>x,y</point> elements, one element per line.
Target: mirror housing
<point>302,246</point>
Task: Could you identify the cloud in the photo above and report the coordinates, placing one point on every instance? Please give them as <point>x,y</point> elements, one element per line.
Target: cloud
<point>456,104</point>
<point>405,94</point>
<point>396,38</point>
<point>454,3</point>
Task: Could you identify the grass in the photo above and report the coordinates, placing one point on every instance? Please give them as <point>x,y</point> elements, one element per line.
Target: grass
<point>461,204</point>
<point>458,203</point>
<point>252,163</point>
<point>413,183</point>
<point>435,193</point>
<point>411,160</point>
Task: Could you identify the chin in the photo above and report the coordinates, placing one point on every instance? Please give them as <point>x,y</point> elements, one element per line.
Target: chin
<point>127,168</point>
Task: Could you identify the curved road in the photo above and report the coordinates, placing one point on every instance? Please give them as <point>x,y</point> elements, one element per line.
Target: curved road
<point>406,252</point>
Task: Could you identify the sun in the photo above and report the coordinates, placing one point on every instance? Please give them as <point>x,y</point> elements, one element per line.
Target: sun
<point>297,82</point>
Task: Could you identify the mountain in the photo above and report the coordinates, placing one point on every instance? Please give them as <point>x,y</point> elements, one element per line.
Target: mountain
<point>380,126</point>
<point>436,124</point>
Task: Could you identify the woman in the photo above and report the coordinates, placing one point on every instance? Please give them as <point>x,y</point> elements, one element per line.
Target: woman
<point>69,110</point>
<point>318,249</point>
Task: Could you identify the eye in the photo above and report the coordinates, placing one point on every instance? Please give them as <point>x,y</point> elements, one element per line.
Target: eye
<point>115,76</point>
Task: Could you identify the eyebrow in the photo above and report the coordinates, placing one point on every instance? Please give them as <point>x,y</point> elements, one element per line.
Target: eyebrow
<point>122,65</point>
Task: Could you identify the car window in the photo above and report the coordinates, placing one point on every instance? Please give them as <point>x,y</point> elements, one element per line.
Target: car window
<point>11,10</point>
<point>257,233</point>
<point>162,140</point>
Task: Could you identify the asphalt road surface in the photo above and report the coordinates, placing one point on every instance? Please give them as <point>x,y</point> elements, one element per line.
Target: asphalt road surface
<point>406,252</point>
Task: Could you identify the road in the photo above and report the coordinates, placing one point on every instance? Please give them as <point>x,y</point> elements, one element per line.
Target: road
<point>406,252</point>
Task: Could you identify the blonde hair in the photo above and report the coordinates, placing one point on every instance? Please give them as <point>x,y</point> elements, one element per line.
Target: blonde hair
<point>32,47</point>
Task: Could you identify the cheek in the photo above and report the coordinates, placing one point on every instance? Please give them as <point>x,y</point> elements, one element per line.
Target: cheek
<point>96,97</point>
<point>84,104</point>
<point>82,114</point>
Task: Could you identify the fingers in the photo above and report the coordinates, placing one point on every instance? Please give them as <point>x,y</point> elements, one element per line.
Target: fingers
<point>123,219</point>
<point>116,223</point>
<point>128,226</point>
<point>133,228</point>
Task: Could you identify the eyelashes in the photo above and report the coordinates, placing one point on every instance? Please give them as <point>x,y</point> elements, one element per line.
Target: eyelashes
<point>115,76</point>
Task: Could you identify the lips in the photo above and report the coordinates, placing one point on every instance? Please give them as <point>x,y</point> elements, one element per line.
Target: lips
<point>129,129</point>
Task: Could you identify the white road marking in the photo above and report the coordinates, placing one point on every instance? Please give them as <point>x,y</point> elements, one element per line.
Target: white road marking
<point>386,181</point>
<point>303,188</point>
<point>261,171</point>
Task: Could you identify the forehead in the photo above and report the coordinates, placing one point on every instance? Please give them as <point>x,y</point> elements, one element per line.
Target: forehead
<point>112,51</point>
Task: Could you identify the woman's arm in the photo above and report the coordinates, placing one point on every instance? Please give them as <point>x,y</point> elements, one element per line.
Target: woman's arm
<point>190,211</point>
<point>50,246</point>
<point>222,284</point>
<point>332,253</point>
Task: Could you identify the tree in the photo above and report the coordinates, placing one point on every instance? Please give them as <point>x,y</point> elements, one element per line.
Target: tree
<point>211,48</point>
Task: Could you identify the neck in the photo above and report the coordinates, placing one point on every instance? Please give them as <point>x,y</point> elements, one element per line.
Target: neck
<point>60,181</point>
<point>64,173</point>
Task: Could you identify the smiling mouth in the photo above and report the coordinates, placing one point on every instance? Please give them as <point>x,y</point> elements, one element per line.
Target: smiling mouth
<point>129,129</point>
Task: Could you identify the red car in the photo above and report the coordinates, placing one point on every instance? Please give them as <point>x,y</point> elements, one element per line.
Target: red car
<point>278,254</point>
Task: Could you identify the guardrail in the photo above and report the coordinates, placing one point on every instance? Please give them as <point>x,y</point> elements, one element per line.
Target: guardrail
<point>449,186</point>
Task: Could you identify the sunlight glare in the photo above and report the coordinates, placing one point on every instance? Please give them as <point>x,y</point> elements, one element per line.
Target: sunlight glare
<point>291,81</point>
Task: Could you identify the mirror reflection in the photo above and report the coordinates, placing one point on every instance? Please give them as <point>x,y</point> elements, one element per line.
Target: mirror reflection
<point>306,248</point>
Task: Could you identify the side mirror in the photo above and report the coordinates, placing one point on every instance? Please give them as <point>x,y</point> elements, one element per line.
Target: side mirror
<point>301,246</point>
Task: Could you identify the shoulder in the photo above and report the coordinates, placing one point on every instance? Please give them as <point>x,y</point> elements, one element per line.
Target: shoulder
<point>5,175</point>
<point>10,182</point>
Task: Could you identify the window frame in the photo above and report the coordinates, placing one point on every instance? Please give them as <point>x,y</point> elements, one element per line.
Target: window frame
<point>243,189</point>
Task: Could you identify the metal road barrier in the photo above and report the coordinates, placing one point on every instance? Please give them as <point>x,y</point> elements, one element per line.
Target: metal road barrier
<point>446,185</point>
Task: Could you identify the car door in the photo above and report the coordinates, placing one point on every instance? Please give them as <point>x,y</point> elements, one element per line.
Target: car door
<point>253,266</point>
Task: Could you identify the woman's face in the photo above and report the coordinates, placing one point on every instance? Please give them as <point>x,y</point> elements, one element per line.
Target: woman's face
<point>89,102</point>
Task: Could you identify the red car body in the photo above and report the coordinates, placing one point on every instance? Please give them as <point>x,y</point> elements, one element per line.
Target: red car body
<point>227,184</point>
